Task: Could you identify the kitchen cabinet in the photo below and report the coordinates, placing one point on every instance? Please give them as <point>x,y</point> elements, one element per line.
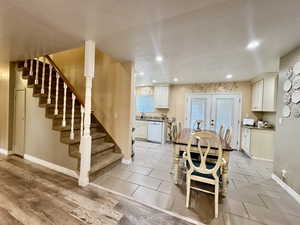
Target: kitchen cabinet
<point>161,96</point>
<point>258,143</point>
<point>141,129</point>
<point>257,95</point>
<point>264,94</point>
<point>269,94</point>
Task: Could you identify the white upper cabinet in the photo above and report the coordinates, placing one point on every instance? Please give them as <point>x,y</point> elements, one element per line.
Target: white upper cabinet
<point>161,96</point>
<point>264,94</point>
<point>269,96</point>
<point>257,95</point>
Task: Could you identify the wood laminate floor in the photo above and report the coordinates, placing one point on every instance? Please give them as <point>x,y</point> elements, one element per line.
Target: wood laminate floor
<point>34,195</point>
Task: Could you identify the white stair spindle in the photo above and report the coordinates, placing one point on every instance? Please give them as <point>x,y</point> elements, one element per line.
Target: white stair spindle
<point>65,102</point>
<point>25,63</point>
<point>50,83</point>
<point>31,68</point>
<point>72,119</point>
<point>56,94</point>
<point>43,76</point>
<point>82,119</point>
<point>36,81</point>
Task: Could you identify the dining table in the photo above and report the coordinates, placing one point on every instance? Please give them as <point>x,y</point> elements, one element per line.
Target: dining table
<point>180,144</point>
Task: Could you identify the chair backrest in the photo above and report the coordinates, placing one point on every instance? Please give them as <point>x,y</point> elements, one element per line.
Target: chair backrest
<point>197,124</point>
<point>207,139</point>
<point>221,131</point>
<point>228,136</point>
<point>175,130</point>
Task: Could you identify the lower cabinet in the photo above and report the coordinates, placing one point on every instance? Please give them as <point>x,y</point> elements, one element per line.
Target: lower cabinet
<point>141,129</point>
<point>258,143</point>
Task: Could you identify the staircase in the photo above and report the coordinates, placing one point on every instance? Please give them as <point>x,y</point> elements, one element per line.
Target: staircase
<point>65,109</point>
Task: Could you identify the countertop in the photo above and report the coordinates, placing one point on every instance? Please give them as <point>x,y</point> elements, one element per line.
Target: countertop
<point>150,119</point>
<point>263,128</point>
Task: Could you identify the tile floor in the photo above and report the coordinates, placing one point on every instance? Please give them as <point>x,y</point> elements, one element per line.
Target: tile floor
<point>253,197</point>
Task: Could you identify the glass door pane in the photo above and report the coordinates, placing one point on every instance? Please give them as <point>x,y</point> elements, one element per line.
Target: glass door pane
<point>198,109</point>
<point>224,113</point>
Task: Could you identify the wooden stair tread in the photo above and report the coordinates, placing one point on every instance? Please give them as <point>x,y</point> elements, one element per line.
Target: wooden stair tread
<point>95,135</point>
<point>102,147</point>
<point>103,160</point>
<point>60,115</point>
<point>96,149</point>
<point>77,126</point>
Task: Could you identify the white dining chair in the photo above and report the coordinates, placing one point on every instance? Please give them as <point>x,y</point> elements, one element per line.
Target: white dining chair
<point>201,170</point>
<point>228,136</point>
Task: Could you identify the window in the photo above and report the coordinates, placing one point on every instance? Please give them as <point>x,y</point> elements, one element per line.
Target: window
<point>145,103</point>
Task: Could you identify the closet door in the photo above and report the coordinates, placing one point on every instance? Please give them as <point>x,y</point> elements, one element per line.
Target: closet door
<point>19,123</point>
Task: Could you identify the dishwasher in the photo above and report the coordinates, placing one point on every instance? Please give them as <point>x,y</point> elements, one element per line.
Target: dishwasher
<point>155,131</point>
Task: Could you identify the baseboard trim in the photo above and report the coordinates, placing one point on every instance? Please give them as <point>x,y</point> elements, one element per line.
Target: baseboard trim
<point>3,151</point>
<point>126,161</point>
<point>192,221</point>
<point>52,166</point>
<point>287,188</point>
<point>262,159</point>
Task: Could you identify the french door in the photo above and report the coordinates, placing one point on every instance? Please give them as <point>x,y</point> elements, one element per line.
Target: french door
<point>215,110</point>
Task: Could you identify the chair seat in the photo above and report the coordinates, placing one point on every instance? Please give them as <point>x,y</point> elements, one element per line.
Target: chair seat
<point>208,166</point>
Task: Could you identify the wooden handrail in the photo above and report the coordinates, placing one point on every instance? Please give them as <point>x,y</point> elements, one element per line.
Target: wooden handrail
<point>65,80</point>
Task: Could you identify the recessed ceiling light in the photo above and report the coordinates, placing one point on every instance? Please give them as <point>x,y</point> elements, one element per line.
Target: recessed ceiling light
<point>153,81</point>
<point>228,76</point>
<point>159,58</point>
<point>253,44</point>
<point>175,79</point>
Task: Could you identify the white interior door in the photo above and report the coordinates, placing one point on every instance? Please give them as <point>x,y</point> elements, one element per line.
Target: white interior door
<point>19,123</point>
<point>215,110</point>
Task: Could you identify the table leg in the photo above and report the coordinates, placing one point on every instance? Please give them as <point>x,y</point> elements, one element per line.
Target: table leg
<point>176,163</point>
<point>225,179</point>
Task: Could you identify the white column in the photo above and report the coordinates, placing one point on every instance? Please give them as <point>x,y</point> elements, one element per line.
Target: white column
<point>31,68</point>
<point>25,63</point>
<point>81,120</point>
<point>36,81</point>
<point>65,102</point>
<point>86,140</point>
<point>50,83</point>
<point>56,94</point>
<point>72,118</point>
<point>43,76</point>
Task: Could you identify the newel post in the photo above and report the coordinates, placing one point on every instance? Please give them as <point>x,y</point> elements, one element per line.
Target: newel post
<point>86,140</point>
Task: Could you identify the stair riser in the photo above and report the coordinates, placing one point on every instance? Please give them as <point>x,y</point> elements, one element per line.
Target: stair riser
<point>50,111</point>
<point>59,116</point>
<point>43,100</point>
<point>57,122</point>
<point>76,132</point>
<point>31,79</point>
<point>37,90</point>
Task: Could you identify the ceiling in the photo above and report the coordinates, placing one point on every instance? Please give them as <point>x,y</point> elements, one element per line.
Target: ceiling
<point>199,40</point>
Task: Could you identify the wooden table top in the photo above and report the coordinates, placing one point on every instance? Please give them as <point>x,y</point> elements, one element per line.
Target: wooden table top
<point>186,133</point>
